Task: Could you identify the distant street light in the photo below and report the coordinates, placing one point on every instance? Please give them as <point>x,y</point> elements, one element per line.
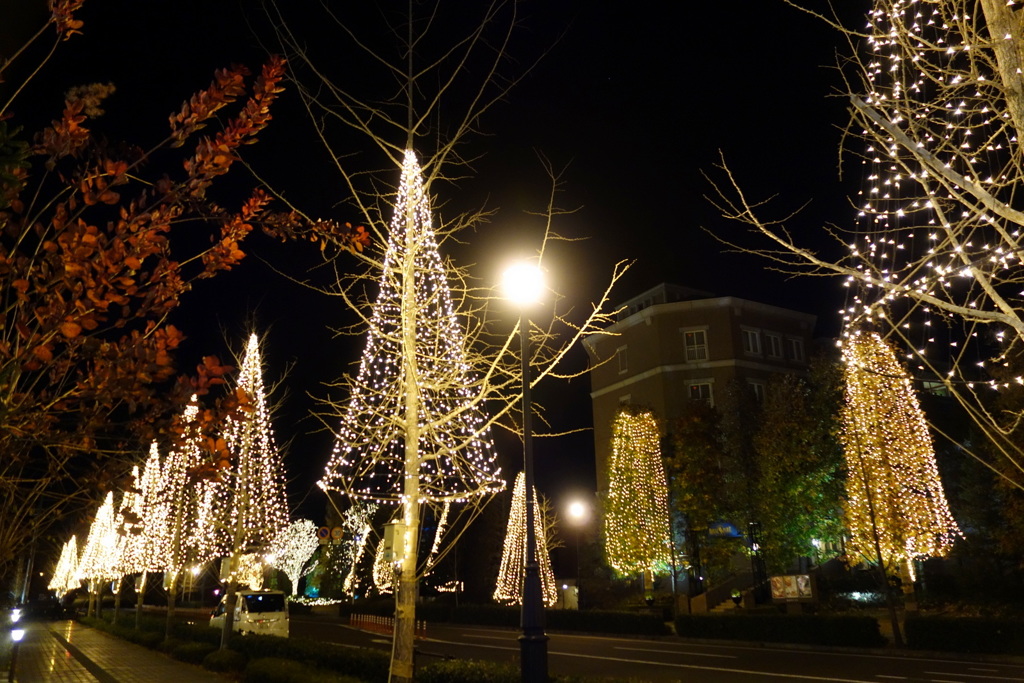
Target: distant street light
<point>523,284</point>
<point>578,512</point>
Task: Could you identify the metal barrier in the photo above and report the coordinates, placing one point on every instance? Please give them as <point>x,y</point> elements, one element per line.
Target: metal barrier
<point>385,625</point>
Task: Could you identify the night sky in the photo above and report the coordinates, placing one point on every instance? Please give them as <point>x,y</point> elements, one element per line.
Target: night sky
<point>634,100</point>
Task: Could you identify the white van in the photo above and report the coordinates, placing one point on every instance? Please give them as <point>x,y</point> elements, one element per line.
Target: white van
<point>262,612</point>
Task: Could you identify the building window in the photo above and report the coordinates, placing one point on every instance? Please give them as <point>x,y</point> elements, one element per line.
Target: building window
<point>622,358</point>
<point>696,344</point>
<point>701,392</point>
<point>773,345</point>
<point>751,342</point>
<point>758,389</point>
<point>795,349</point>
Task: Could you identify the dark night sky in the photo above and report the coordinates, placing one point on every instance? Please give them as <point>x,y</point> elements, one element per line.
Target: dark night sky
<point>635,100</point>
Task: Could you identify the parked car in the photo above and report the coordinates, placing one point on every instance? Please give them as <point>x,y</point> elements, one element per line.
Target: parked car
<point>263,612</point>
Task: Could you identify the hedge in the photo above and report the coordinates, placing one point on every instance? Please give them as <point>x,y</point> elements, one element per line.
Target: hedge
<point>783,628</point>
<point>275,670</point>
<point>965,634</point>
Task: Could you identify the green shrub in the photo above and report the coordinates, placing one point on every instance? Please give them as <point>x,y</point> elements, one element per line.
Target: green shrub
<point>965,634</point>
<point>275,670</point>
<point>193,653</point>
<point>854,631</point>
<point>365,664</point>
<point>225,661</point>
<point>468,671</point>
<point>167,645</point>
<point>150,639</point>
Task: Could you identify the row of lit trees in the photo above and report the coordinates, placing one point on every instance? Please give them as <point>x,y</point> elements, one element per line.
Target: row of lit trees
<point>184,510</point>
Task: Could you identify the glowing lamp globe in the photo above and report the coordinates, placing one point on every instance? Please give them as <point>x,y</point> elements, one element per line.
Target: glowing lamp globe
<point>523,283</point>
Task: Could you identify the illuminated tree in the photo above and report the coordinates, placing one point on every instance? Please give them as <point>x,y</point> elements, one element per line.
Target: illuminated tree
<point>292,549</point>
<point>65,574</point>
<point>144,517</point>
<point>509,588</point>
<point>243,506</point>
<point>176,515</point>
<point>896,511</point>
<point>636,523</point>
<point>249,571</point>
<point>99,555</point>
<point>931,259</point>
<point>421,313</point>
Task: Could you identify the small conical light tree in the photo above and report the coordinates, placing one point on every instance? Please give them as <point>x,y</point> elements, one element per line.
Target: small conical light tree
<point>65,575</point>
<point>292,549</point>
<point>509,589</point>
<point>383,569</point>
<point>895,510</point>
<point>144,517</point>
<point>413,430</point>
<point>178,544</point>
<point>246,509</point>
<point>99,556</point>
<point>636,521</point>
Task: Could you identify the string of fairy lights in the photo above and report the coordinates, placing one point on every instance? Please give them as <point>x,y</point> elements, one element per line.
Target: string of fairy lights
<point>636,520</point>
<point>509,587</point>
<point>456,459</point>
<point>925,256</point>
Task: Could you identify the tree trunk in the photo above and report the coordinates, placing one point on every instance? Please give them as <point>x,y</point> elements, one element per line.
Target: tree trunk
<point>139,598</point>
<point>1003,20</point>
<point>117,598</point>
<point>172,595</point>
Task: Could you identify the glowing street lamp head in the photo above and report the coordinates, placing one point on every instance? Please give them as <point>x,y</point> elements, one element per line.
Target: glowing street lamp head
<point>523,283</point>
<point>577,511</point>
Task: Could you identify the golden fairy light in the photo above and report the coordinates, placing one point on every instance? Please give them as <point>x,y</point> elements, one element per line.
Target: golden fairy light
<point>509,589</point>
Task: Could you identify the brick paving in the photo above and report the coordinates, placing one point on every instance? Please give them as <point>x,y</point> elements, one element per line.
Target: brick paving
<point>67,652</point>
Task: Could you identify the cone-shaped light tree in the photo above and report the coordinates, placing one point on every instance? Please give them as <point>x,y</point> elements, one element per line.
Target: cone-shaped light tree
<point>509,588</point>
<point>245,507</point>
<point>99,555</point>
<point>65,574</point>
<point>895,511</point>
<point>178,545</point>
<point>413,430</point>
<point>144,518</point>
<point>292,549</point>
<point>636,521</point>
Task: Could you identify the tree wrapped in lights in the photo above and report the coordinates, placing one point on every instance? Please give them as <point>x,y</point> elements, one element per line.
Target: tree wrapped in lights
<point>292,549</point>
<point>636,522</point>
<point>65,574</point>
<point>249,571</point>
<point>144,516</point>
<point>178,546</point>
<point>509,588</point>
<point>895,511</point>
<point>99,555</point>
<point>933,257</point>
<point>413,430</point>
<point>244,507</point>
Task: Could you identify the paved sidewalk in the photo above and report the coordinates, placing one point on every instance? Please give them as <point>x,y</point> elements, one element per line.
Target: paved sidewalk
<point>67,652</point>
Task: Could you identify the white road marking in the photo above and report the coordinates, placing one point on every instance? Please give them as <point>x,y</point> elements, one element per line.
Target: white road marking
<point>973,676</point>
<point>677,652</point>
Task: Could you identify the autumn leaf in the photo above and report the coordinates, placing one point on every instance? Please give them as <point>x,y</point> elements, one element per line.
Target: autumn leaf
<point>70,329</point>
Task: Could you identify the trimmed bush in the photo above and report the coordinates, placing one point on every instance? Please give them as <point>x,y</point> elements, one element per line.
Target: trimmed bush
<point>275,670</point>
<point>364,664</point>
<point>225,661</point>
<point>468,671</point>
<point>852,631</point>
<point>965,634</point>
<point>167,645</point>
<point>193,653</point>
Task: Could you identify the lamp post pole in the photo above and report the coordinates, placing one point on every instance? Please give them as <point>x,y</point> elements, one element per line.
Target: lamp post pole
<point>533,643</point>
<point>524,284</point>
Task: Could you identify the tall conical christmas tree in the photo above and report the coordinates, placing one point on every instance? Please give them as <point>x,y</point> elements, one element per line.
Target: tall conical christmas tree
<point>246,507</point>
<point>99,556</point>
<point>145,516</point>
<point>636,517</point>
<point>65,575</point>
<point>413,429</point>
<point>509,588</point>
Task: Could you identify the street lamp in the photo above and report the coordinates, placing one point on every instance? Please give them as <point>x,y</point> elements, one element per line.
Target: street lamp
<point>16,635</point>
<point>578,514</point>
<point>523,284</point>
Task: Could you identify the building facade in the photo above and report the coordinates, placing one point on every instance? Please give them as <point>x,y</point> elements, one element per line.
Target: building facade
<point>673,344</point>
